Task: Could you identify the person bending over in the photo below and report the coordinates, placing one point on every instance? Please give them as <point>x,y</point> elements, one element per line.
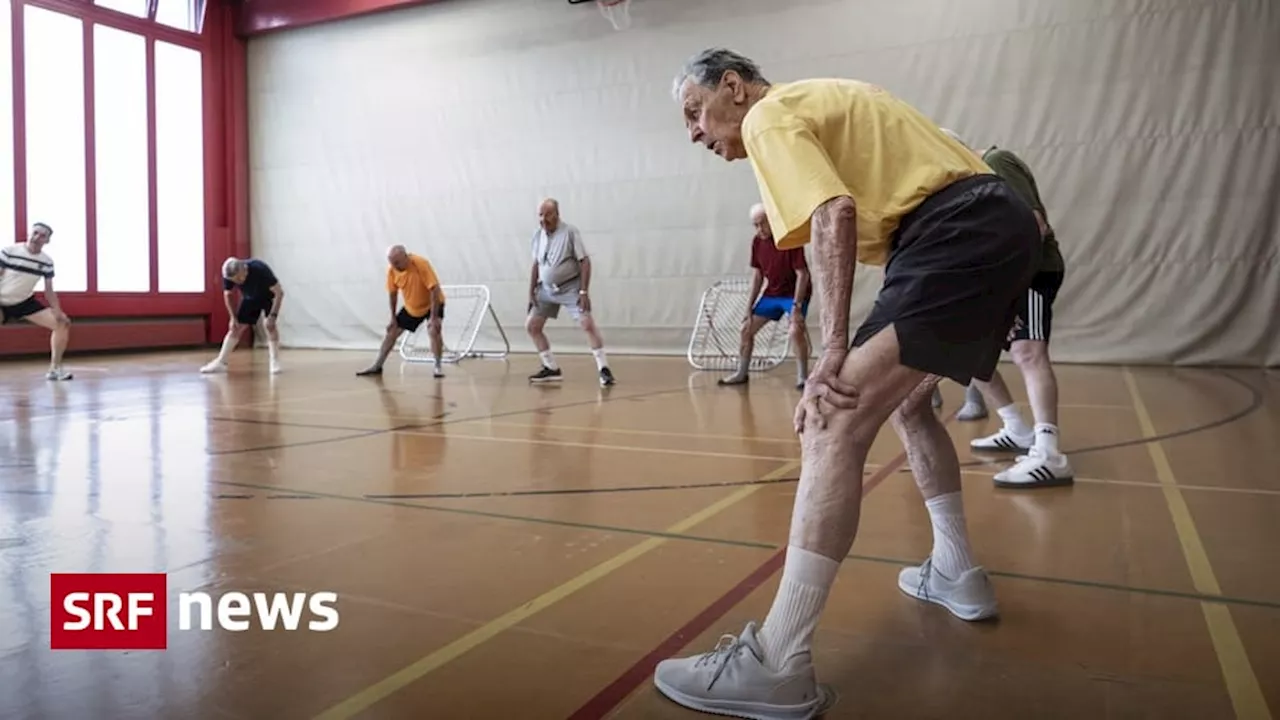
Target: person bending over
<point>860,176</point>
<point>22,266</point>
<point>411,276</point>
<point>261,297</point>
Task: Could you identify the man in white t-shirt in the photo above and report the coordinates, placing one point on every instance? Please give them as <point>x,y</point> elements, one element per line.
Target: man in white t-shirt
<point>560,276</point>
<point>21,268</point>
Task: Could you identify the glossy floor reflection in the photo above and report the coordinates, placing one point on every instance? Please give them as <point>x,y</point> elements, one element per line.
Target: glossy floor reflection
<point>508,551</point>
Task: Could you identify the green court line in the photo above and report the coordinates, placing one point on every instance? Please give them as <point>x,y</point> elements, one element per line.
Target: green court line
<point>901,562</point>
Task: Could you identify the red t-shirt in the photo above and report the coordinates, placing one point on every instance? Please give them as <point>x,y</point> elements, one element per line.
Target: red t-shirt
<point>779,268</point>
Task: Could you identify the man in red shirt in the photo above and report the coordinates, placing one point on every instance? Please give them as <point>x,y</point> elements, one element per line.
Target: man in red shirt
<point>784,274</point>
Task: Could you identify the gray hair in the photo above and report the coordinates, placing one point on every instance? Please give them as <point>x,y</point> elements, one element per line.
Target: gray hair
<point>708,67</point>
<point>232,267</point>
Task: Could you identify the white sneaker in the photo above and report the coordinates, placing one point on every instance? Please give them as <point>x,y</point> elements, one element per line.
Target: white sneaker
<point>275,366</point>
<point>969,597</point>
<point>971,411</point>
<point>216,366</point>
<point>1003,441</point>
<point>733,680</point>
<point>1037,469</point>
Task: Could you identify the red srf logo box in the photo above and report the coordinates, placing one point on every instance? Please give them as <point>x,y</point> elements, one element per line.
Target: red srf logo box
<point>108,611</point>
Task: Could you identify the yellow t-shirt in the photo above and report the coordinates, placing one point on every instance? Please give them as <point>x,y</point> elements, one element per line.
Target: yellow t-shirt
<point>414,283</point>
<point>813,140</point>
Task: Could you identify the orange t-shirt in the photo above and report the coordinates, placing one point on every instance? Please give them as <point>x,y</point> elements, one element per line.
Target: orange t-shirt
<point>415,284</point>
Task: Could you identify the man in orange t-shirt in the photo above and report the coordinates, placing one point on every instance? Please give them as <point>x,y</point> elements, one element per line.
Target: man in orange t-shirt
<point>412,277</point>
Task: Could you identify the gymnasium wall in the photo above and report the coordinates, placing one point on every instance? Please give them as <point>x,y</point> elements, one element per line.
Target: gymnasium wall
<point>1153,127</point>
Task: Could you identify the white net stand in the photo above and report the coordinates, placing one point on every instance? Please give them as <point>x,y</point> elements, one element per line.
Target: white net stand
<point>718,330</point>
<point>617,12</point>
<point>466,307</point>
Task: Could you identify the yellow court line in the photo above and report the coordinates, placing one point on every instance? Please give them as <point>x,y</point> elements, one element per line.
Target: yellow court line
<point>378,691</point>
<point>1242,683</point>
<point>593,446</point>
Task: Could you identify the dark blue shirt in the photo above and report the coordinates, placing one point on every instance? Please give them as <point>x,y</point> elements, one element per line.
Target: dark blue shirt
<point>257,283</point>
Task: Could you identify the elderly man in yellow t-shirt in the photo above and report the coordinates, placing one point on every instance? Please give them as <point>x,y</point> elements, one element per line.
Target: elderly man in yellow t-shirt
<point>412,277</point>
<point>861,176</point>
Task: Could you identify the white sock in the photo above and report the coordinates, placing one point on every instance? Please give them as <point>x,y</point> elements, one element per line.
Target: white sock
<point>548,359</point>
<point>951,553</point>
<point>788,628</point>
<point>228,345</point>
<point>273,350</point>
<point>601,361</point>
<point>1013,421</point>
<point>1047,438</point>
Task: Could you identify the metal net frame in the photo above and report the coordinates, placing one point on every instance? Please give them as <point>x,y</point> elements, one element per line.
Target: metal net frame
<point>717,331</point>
<point>466,307</point>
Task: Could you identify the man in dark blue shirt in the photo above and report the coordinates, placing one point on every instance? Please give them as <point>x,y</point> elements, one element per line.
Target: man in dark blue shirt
<point>260,295</point>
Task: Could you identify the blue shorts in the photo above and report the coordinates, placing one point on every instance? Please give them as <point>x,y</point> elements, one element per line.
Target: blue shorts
<point>775,307</point>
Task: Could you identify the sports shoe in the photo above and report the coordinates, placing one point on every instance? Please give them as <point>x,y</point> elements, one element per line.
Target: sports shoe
<point>58,374</point>
<point>546,374</point>
<point>216,366</point>
<point>1036,469</point>
<point>969,597</point>
<point>972,411</point>
<point>1003,441</point>
<point>275,366</point>
<point>733,680</point>
<point>606,377</point>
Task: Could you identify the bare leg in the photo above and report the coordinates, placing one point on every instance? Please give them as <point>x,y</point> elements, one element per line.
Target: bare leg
<point>746,346</point>
<point>273,346</point>
<point>800,340</point>
<point>1044,465</point>
<point>550,371</point>
<point>435,331</point>
<point>588,324</point>
<point>60,335</point>
<point>388,343</point>
<point>1032,358</point>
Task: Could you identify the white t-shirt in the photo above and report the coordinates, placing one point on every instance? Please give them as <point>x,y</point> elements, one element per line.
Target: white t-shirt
<point>22,270</point>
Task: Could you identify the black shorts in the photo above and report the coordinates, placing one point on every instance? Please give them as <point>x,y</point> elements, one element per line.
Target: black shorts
<point>1035,308</point>
<point>410,323</point>
<point>17,311</point>
<point>960,263</point>
<point>252,308</point>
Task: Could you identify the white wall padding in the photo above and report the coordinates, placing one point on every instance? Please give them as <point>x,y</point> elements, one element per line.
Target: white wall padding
<point>1153,127</point>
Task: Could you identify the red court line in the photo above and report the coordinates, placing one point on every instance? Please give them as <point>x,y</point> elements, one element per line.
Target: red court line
<point>607,699</point>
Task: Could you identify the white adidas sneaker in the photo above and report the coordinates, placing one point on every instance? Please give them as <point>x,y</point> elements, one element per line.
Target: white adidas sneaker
<point>216,366</point>
<point>733,680</point>
<point>1003,441</point>
<point>969,597</point>
<point>1036,469</point>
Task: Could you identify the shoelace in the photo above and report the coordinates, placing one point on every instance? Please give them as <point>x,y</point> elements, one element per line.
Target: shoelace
<point>726,648</point>
<point>925,569</point>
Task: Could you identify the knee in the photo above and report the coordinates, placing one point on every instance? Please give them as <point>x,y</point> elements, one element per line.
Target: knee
<point>1030,355</point>
<point>797,333</point>
<point>533,324</point>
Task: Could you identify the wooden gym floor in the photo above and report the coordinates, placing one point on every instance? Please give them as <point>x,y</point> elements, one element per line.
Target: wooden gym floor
<point>507,551</point>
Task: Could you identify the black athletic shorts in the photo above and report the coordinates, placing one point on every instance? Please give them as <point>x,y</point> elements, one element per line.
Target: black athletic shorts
<point>1035,308</point>
<point>252,308</point>
<point>960,262</point>
<point>17,311</point>
<point>411,323</point>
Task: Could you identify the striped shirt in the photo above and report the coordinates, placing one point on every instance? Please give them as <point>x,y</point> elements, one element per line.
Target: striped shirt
<point>22,270</point>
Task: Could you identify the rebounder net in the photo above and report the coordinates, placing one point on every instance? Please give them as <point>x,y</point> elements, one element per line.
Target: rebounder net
<point>464,330</point>
<point>718,330</point>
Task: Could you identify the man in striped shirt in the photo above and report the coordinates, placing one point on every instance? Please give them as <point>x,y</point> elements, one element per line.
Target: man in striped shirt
<point>21,268</point>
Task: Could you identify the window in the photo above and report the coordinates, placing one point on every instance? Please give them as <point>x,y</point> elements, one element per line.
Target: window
<point>179,168</point>
<point>54,45</point>
<point>182,14</point>
<point>120,155</point>
<point>137,8</point>
<point>7,226</point>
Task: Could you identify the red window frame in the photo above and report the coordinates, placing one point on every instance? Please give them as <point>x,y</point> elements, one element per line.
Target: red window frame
<point>225,155</point>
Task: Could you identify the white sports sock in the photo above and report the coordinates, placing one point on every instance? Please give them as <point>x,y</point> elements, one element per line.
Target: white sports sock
<point>601,361</point>
<point>228,345</point>
<point>788,628</point>
<point>273,349</point>
<point>548,359</point>
<point>1013,421</point>
<point>951,553</point>
<point>1047,438</point>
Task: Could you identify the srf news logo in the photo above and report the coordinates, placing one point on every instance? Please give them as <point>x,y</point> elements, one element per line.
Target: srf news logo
<point>105,611</point>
